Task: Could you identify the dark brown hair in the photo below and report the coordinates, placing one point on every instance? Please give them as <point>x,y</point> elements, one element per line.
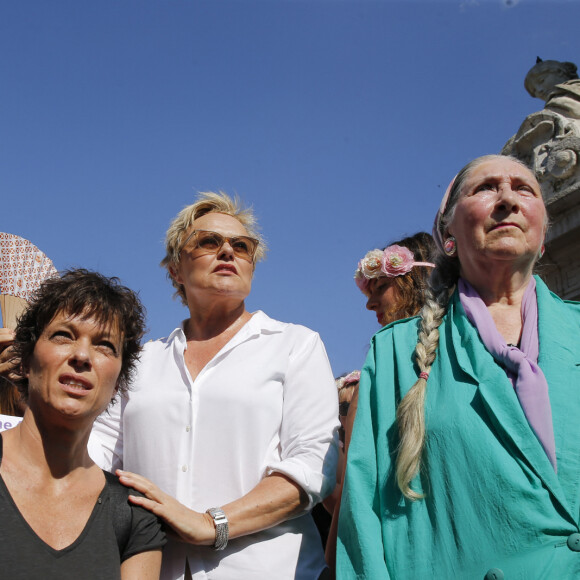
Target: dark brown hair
<point>10,398</point>
<point>411,287</point>
<point>84,294</point>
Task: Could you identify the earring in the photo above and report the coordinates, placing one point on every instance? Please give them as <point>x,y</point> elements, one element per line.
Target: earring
<point>542,251</point>
<point>450,246</point>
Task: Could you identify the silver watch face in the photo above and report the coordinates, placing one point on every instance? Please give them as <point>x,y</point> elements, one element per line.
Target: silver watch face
<point>218,515</point>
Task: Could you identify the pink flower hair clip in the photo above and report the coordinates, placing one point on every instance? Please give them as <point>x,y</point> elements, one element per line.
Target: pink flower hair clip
<point>350,379</point>
<point>390,262</point>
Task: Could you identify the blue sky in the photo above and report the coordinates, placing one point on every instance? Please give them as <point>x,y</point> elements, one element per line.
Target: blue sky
<point>341,122</point>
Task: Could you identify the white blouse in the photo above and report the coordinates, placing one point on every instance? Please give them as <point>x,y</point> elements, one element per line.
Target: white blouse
<point>265,403</point>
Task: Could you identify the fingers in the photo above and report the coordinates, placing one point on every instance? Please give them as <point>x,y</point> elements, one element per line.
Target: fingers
<point>149,504</point>
<point>189,525</point>
<point>153,500</point>
<point>7,366</point>
<point>141,484</point>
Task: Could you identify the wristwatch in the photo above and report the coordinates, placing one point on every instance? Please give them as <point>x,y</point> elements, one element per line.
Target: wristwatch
<point>222,530</point>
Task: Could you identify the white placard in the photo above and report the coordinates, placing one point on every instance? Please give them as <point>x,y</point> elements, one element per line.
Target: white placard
<point>7,422</point>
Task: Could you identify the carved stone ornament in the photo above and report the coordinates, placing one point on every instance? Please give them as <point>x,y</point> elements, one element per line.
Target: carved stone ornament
<point>549,141</point>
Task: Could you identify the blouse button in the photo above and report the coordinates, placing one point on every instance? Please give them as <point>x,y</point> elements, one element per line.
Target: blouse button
<point>494,574</point>
<point>574,542</point>
<point>184,468</point>
<point>188,429</point>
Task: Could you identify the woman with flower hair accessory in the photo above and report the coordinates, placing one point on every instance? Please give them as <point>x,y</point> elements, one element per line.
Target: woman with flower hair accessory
<point>464,462</point>
<point>395,279</point>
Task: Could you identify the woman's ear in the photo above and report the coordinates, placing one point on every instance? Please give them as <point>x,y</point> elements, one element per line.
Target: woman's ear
<point>449,244</point>
<point>173,272</point>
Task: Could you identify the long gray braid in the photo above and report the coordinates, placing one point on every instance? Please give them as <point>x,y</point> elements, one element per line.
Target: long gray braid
<point>411,410</point>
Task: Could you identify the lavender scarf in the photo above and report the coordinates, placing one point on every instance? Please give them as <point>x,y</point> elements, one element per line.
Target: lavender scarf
<point>521,363</point>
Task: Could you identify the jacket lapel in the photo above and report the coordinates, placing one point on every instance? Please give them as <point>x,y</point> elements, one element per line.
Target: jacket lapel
<point>559,329</point>
<point>501,402</point>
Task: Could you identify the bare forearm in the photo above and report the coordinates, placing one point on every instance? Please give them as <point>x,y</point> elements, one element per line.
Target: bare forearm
<point>274,500</point>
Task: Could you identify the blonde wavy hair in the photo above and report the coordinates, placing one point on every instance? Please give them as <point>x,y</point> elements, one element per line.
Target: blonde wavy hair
<point>442,283</point>
<point>207,202</point>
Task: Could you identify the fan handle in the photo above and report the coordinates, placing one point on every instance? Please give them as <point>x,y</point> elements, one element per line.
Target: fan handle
<point>12,307</point>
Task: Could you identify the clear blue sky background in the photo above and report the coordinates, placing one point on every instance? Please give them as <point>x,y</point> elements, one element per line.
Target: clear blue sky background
<point>341,122</point>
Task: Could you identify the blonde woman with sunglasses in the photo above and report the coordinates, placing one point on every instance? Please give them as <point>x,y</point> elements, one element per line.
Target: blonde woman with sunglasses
<point>232,419</point>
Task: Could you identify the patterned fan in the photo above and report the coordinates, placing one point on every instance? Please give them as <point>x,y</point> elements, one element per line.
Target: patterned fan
<point>23,267</point>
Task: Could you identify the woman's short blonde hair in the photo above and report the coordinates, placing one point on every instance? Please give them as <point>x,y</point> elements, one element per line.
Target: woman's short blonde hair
<point>207,202</point>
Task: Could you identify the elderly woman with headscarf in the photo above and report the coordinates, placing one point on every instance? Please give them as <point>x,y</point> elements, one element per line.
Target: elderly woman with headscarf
<point>233,417</point>
<point>464,460</point>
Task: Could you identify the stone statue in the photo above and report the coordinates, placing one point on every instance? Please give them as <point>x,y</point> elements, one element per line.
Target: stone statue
<point>549,140</point>
<point>557,84</point>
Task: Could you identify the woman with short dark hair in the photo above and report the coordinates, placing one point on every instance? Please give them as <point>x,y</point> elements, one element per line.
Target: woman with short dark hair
<point>62,516</point>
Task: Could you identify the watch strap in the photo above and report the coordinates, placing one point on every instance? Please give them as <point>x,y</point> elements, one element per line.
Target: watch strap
<point>222,529</point>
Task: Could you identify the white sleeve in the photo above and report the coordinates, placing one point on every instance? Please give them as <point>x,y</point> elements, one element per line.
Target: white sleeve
<point>309,430</point>
<point>106,440</point>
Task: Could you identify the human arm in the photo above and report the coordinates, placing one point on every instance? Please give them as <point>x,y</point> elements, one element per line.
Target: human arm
<point>331,501</point>
<point>274,500</point>
<point>348,428</point>
<point>309,429</point>
<point>330,551</point>
<point>143,566</point>
<point>139,534</point>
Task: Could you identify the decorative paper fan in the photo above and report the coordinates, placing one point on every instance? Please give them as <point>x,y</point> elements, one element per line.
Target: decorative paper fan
<point>23,267</point>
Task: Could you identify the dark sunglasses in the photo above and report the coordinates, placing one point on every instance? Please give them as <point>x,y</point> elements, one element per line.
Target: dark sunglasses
<point>207,242</point>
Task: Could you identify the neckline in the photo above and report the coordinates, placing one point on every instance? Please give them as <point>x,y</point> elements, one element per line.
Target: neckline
<point>235,327</point>
<point>36,538</point>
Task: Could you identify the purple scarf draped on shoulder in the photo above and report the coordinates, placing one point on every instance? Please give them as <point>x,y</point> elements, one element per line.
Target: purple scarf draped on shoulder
<point>521,363</point>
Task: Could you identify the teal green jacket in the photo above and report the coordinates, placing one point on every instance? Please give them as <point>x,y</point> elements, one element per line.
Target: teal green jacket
<point>493,503</point>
